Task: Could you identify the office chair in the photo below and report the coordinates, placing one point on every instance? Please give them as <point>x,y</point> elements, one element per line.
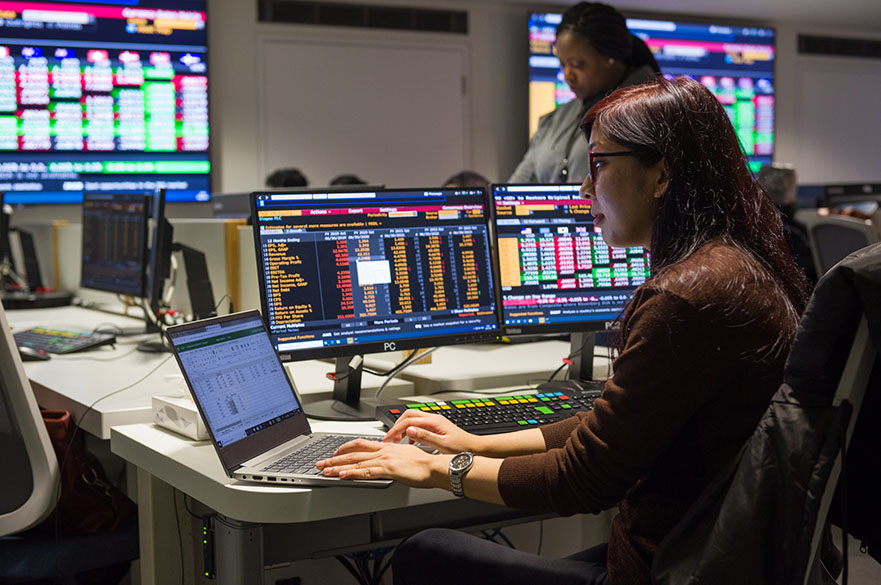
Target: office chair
<point>832,237</point>
<point>876,222</point>
<point>761,519</point>
<point>29,490</point>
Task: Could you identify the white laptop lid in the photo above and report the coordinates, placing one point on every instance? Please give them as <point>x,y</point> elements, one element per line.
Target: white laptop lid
<point>239,385</point>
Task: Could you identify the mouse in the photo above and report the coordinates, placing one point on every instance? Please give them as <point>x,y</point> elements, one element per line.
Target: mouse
<point>30,354</point>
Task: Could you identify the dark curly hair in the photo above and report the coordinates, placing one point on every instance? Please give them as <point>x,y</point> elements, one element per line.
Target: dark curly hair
<point>606,30</point>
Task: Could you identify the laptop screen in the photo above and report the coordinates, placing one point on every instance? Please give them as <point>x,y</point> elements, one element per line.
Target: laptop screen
<point>235,376</point>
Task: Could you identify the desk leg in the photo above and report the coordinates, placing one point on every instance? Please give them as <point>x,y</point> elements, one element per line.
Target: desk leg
<point>238,552</point>
<point>160,552</point>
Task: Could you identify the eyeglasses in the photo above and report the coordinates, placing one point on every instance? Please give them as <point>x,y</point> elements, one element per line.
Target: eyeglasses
<point>592,156</point>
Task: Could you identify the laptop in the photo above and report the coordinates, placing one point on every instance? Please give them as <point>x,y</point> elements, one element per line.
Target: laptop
<point>249,404</point>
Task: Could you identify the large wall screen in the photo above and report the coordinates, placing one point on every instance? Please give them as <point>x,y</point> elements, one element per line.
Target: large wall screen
<point>735,62</point>
<point>103,96</point>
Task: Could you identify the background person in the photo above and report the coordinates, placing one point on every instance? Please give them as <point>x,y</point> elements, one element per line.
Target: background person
<point>289,177</point>
<point>597,54</point>
<point>467,179</point>
<point>347,179</point>
<point>779,182</point>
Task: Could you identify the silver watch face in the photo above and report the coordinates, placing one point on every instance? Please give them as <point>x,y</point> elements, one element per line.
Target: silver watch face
<point>461,461</point>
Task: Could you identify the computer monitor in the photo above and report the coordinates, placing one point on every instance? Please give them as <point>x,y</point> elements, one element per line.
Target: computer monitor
<point>5,246</point>
<point>733,60</point>
<point>115,243</point>
<point>231,205</point>
<point>348,273</point>
<point>556,274</point>
<point>108,96</point>
<point>158,270</point>
<point>238,205</point>
<point>159,266</point>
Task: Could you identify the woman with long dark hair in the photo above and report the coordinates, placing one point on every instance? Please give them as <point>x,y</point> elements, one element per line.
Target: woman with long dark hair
<point>597,54</point>
<point>703,343</point>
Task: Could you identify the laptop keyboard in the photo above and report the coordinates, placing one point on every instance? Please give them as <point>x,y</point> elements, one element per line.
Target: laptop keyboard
<point>303,460</point>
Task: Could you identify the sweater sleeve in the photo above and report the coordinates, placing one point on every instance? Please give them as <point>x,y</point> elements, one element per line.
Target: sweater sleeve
<point>526,171</point>
<point>660,379</point>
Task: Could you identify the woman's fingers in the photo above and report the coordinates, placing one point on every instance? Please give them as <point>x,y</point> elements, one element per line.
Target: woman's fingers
<point>358,445</point>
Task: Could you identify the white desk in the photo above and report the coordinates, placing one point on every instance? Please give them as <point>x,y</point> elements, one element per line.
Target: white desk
<point>73,382</point>
<point>491,365</point>
<point>261,525</point>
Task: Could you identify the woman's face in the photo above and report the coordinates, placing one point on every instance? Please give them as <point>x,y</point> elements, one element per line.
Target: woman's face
<point>625,196</point>
<point>586,71</point>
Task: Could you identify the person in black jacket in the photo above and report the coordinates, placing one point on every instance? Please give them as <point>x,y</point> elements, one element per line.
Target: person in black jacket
<point>779,182</point>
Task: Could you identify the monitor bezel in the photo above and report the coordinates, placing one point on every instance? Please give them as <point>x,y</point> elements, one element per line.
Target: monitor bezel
<point>144,240</point>
<point>581,326</point>
<point>159,257</point>
<point>377,346</point>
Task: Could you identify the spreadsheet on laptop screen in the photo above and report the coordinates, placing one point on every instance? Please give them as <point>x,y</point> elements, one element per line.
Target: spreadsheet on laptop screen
<point>239,382</point>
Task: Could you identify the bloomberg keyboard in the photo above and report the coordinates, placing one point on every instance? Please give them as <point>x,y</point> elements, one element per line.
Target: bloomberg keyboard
<point>500,414</point>
<point>61,341</point>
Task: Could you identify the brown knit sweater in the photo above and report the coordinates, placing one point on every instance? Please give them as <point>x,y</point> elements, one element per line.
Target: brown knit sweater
<point>704,347</point>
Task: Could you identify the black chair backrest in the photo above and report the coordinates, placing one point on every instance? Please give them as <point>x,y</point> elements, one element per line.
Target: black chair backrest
<point>835,241</point>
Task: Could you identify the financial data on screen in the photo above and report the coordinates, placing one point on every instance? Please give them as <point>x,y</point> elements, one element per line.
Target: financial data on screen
<point>378,270</point>
<point>735,62</point>
<point>241,386</point>
<point>103,96</point>
<point>555,271</point>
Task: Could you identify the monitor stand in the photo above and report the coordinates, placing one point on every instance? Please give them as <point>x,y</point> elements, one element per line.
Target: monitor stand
<point>581,347</point>
<point>21,299</point>
<point>198,281</point>
<point>346,403</point>
<point>126,331</point>
<point>153,346</point>
<point>26,291</point>
<point>199,289</point>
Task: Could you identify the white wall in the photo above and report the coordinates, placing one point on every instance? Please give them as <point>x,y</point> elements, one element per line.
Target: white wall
<point>498,93</point>
<point>828,114</point>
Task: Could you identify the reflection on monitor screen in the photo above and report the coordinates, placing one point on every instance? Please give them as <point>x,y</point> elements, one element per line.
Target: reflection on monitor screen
<point>114,242</point>
<point>555,271</point>
<point>105,96</point>
<point>345,274</point>
<point>735,62</point>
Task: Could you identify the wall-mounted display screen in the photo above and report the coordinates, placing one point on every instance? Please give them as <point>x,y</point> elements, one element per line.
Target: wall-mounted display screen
<point>735,62</point>
<point>104,96</point>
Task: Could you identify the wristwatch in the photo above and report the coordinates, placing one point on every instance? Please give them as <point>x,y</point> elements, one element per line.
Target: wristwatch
<point>459,466</point>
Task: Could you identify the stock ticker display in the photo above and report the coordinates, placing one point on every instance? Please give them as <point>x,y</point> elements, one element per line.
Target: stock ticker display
<point>105,96</point>
<point>342,269</point>
<point>555,270</point>
<point>735,62</point>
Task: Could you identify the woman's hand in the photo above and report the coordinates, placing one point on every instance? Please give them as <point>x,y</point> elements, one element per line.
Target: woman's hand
<point>363,459</point>
<point>432,430</point>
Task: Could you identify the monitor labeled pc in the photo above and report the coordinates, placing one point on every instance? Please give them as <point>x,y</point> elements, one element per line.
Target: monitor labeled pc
<point>377,270</point>
<point>556,274</point>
